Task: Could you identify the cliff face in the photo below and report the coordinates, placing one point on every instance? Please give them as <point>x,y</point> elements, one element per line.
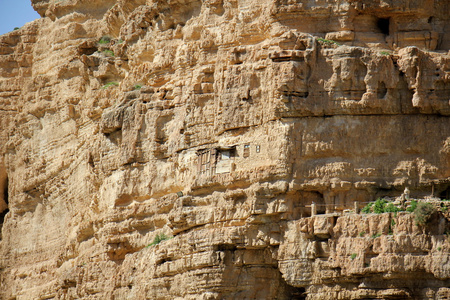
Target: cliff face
<point>219,123</point>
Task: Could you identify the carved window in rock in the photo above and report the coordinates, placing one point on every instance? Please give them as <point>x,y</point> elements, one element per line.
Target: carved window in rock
<point>224,161</point>
<point>246,150</point>
<point>206,161</point>
<point>215,161</point>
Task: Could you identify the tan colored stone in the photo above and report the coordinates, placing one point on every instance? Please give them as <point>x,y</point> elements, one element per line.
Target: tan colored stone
<point>217,124</point>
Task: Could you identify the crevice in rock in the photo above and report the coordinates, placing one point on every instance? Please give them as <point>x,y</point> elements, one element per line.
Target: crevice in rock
<point>382,90</point>
<point>4,199</point>
<point>163,260</point>
<point>5,191</point>
<point>87,48</point>
<point>225,247</point>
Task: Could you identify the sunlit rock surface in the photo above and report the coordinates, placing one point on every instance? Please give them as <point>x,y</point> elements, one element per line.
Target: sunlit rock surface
<point>218,124</point>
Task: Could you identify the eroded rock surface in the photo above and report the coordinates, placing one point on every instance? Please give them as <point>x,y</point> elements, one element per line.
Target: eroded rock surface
<point>219,123</point>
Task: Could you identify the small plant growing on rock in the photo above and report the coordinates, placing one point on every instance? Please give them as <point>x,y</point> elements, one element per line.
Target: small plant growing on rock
<point>393,223</point>
<point>137,87</point>
<point>391,232</point>
<point>158,239</point>
<point>108,52</point>
<point>353,256</point>
<point>109,84</point>
<point>439,248</point>
<point>376,235</point>
<point>385,53</point>
<point>104,40</point>
<point>328,41</point>
<point>361,234</point>
<point>423,213</point>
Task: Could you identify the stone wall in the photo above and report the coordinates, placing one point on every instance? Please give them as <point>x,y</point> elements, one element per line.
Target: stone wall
<point>218,123</point>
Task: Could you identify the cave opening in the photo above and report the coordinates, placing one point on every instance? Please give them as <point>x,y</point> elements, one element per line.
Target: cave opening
<point>4,202</point>
<point>445,195</point>
<point>383,25</point>
<point>297,293</point>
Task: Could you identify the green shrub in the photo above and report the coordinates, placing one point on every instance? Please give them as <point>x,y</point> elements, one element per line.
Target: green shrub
<point>391,208</point>
<point>353,256</point>
<point>361,234</point>
<point>379,205</point>
<point>423,213</point>
<point>328,41</point>
<point>385,53</point>
<point>158,239</point>
<point>109,84</point>
<point>137,86</point>
<point>104,40</point>
<point>16,28</point>
<point>439,248</point>
<point>368,208</point>
<point>108,52</point>
<point>412,207</point>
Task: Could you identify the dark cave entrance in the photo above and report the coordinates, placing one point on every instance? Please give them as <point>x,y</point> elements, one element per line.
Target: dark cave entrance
<point>383,25</point>
<point>4,200</point>
<point>296,293</point>
<point>445,195</point>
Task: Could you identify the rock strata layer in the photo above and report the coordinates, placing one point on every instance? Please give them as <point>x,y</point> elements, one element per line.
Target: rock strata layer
<point>216,128</point>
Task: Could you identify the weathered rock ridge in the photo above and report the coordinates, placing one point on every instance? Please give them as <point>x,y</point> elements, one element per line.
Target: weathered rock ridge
<point>219,123</point>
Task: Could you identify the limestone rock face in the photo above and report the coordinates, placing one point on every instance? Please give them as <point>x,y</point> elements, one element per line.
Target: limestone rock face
<point>219,123</point>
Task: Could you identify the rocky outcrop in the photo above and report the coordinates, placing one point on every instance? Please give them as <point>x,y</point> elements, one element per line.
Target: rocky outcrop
<point>218,124</point>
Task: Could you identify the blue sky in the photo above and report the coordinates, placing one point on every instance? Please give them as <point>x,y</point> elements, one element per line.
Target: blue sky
<point>15,13</point>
